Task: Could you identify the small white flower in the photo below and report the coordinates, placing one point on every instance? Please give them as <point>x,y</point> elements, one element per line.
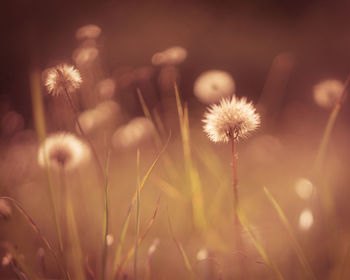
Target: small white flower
<point>62,77</point>
<point>231,119</point>
<point>63,151</point>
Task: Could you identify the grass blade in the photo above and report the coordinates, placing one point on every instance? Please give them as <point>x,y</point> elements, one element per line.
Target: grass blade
<point>132,251</point>
<point>299,252</point>
<point>258,245</point>
<point>191,171</point>
<point>181,249</point>
<point>105,219</point>
<point>137,211</point>
<point>36,229</point>
<point>127,218</point>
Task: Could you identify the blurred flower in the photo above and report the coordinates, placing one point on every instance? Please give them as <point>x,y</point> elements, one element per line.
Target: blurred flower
<point>63,151</point>
<point>11,122</point>
<point>62,77</point>
<point>5,209</point>
<point>306,219</point>
<point>109,239</point>
<point>89,31</point>
<point>202,254</point>
<point>213,85</point>
<point>104,114</point>
<point>304,188</point>
<point>232,118</point>
<point>106,88</point>
<point>131,134</point>
<point>328,92</point>
<point>153,246</point>
<point>6,260</point>
<point>174,55</point>
<point>85,55</point>
<point>144,73</point>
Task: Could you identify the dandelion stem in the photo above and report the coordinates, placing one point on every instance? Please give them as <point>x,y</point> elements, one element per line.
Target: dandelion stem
<point>76,114</point>
<point>137,212</point>
<point>238,238</point>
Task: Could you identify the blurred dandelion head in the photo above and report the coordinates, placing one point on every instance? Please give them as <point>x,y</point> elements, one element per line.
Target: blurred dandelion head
<point>104,114</point>
<point>89,31</point>
<point>132,134</point>
<point>328,92</point>
<point>202,254</point>
<point>231,119</point>
<point>7,259</point>
<point>174,55</point>
<point>63,151</point>
<point>106,88</point>
<point>5,209</point>
<point>211,86</point>
<point>306,219</point>
<point>109,239</point>
<point>304,188</point>
<point>85,55</point>
<point>62,77</point>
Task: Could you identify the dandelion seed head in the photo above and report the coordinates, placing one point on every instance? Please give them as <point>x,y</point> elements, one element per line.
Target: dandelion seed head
<point>211,86</point>
<point>89,31</point>
<point>63,151</point>
<point>232,118</point>
<point>328,92</point>
<point>62,77</point>
<point>174,55</point>
<point>306,219</point>
<point>132,134</point>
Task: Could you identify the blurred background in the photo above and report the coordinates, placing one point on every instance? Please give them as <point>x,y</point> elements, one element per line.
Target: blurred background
<point>276,52</point>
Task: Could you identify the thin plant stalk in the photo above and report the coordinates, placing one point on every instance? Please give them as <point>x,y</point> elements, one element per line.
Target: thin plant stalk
<point>297,248</point>
<point>193,179</point>
<point>137,212</point>
<point>38,231</point>
<point>127,218</point>
<point>258,245</point>
<point>105,218</point>
<point>76,114</point>
<point>40,127</point>
<point>72,230</point>
<point>238,237</point>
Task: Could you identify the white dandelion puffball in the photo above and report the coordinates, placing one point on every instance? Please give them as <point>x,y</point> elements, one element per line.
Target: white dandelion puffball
<point>133,133</point>
<point>306,219</point>
<point>231,119</point>
<point>89,31</point>
<point>304,188</point>
<point>328,92</point>
<point>62,77</point>
<point>63,151</point>
<point>213,85</point>
<point>174,55</point>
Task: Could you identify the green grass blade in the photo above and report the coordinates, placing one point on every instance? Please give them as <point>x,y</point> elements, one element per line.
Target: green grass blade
<point>181,249</point>
<point>76,259</point>
<point>258,245</point>
<point>40,127</point>
<point>36,229</point>
<point>192,174</point>
<point>137,212</point>
<point>105,219</point>
<point>297,248</point>
<point>132,251</point>
<point>127,218</point>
